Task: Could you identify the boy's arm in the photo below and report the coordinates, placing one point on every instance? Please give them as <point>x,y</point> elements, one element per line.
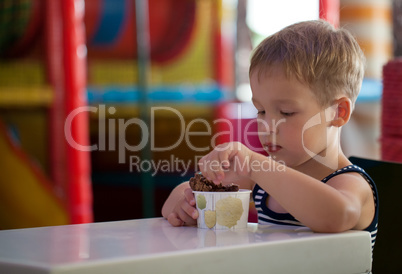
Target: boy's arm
<point>344,202</point>
<point>179,207</point>
<point>336,206</point>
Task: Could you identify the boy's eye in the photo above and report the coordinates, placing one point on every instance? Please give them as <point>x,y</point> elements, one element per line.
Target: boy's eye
<point>286,113</point>
<point>260,112</point>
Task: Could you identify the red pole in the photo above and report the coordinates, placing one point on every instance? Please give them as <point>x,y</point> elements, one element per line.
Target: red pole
<point>223,49</point>
<point>78,161</point>
<point>66,60</point>
<point>329,11</point>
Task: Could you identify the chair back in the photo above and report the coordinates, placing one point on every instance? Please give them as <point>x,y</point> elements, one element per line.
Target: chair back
<point>387,176</point>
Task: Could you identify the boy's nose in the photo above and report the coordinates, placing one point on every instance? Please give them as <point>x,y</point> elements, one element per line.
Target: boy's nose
<point>270,126</point>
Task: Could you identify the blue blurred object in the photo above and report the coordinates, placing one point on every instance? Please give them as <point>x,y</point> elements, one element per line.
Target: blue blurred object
<point>371,91</point>
<point>207,93</point>
<point>112,19</point>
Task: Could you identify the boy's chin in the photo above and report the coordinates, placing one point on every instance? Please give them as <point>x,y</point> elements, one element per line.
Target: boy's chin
<point>293,162</point>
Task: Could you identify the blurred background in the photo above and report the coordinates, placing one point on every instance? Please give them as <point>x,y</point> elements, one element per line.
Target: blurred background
<point>89,89</point>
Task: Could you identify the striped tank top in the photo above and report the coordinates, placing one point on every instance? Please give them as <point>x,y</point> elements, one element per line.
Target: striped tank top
<point>267,216</point>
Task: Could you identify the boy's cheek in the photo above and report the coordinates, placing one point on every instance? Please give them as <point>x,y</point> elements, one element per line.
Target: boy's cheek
<point>314,139</point>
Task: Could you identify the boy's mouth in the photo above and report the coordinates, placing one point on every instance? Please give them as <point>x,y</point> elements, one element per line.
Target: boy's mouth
<point>272,148</point>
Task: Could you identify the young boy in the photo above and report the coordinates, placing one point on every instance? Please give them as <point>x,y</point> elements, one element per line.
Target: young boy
<point>304,80</point>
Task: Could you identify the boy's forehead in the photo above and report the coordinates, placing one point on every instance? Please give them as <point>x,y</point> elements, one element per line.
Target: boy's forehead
<point>263,71</point>
<point>276,70</point>
<point>277,87</point>
<point>284,100</point>
<point>274,74</point>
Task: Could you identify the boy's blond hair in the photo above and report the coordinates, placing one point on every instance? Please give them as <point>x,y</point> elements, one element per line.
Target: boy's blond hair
<point>329,60</point>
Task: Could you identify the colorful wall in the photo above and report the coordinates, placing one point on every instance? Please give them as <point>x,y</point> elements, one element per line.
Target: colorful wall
<point>59,56</point>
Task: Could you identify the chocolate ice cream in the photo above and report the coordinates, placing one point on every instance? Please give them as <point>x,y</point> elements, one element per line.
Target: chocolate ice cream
<point>200,183</point>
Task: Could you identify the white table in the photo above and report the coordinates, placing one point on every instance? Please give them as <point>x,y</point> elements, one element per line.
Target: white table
<point>153,246</point>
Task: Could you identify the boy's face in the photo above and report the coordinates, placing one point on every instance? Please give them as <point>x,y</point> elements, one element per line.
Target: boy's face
<point>291,123</point>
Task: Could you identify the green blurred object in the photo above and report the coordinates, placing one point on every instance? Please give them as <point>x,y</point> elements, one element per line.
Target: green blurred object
<point>144,76</point>
<point>14,19</point>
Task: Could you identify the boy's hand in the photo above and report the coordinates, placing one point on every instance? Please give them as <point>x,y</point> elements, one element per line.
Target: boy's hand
<point>184,212</point>
<point>227,162</point>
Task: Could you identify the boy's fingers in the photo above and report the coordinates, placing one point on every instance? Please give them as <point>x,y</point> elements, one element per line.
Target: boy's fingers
<point>188,207</point>
<point>208,168</point>
<point>202,164</point>
<point>224,161</point>
<point>188,193</point>
<point>223,158</point>
<point>174,219</point>
<point>214,164</point>
<point>185,216</point>
<point>190,211</point>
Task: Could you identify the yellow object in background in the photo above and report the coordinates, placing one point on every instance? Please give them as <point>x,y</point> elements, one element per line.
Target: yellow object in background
<point>371,23</point>
<point>26,196</point>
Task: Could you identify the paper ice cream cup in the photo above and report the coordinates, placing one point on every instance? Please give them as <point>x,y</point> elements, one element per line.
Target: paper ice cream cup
<point>222,210</point>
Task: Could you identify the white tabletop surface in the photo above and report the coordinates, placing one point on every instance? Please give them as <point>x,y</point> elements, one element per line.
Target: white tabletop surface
<point>154,246</point>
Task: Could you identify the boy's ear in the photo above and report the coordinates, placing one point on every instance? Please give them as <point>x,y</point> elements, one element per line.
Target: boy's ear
<point>343,111</point>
